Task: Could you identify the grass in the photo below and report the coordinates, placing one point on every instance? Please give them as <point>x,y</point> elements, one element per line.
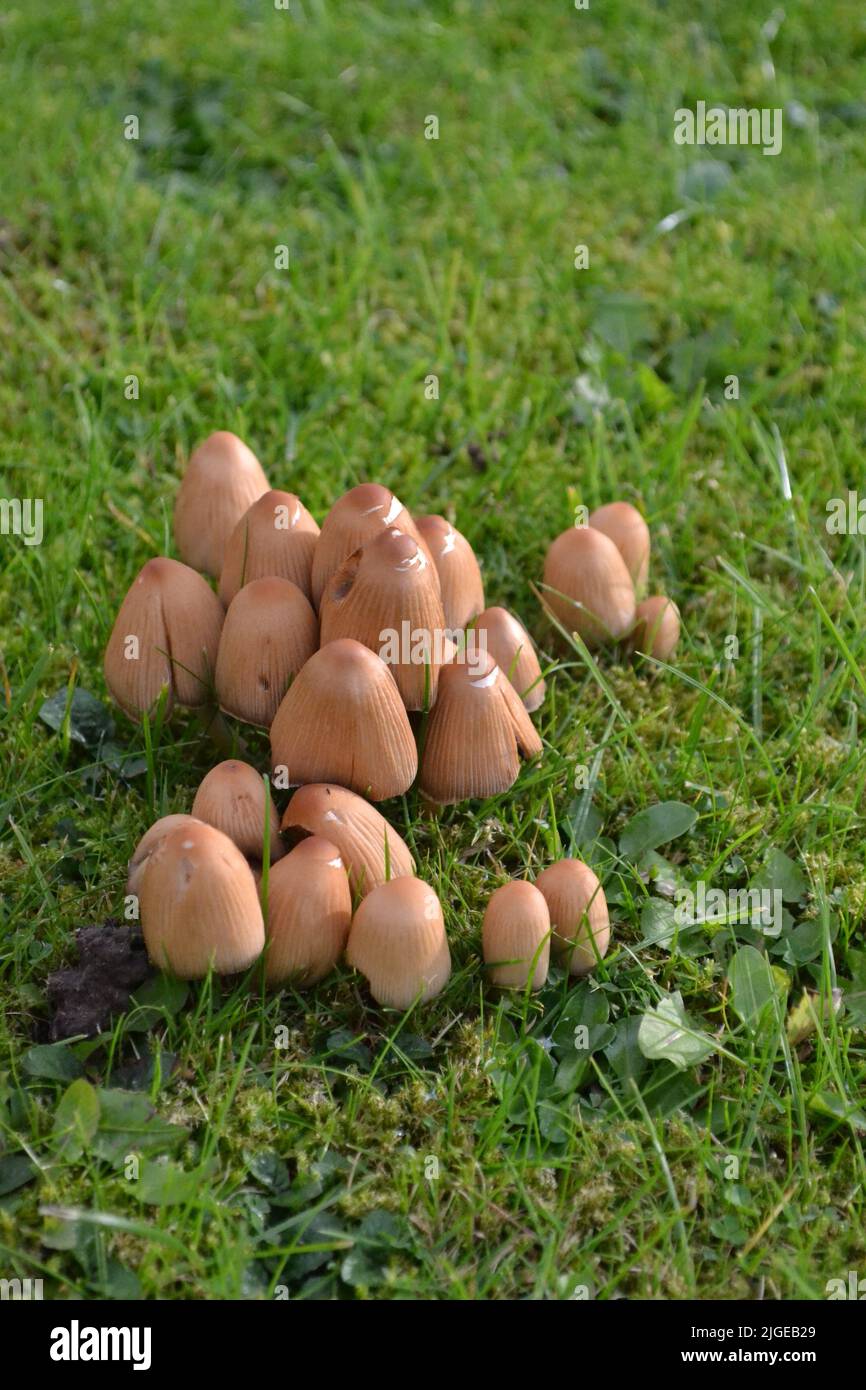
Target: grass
<point>312,1144</point>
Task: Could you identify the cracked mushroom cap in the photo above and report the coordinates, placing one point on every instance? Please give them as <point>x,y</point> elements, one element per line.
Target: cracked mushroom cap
<point>309,914</point>
<point>397,940</point>
<point>371,849</point>
<point>222,480</point>
<point>459,572</point>
<point>511,647</point>
<point>270,632</point>
<point>233,798</point>
<point>587,586</point>
<point>578,914</point>
<point>623,524</point>
<point>355,518</point>
<point>515,936</point>
<point>657,628</point>
<point>276,536</point>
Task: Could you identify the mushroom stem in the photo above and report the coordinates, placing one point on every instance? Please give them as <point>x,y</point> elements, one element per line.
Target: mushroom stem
<point>221,734</point>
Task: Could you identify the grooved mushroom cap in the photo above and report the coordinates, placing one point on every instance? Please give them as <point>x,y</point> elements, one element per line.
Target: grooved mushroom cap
<point>397,940</point>
<point>587,586</point>
<point>386,595</point>
<point>199,904</point>
<point>623,524</point>
<point>511,647</point>
<point>515,936</point>
<point>578,914</point>
<point>342,720</point>
<point>148,843</point>
<point>371,849</point>
<point>275,536</point>
<point>232,798</point>
<point>309,913</point>
<point>657,627</point>
<point>270,632</point>
<point>476,731</point>
<point>222,480</point>
<point>166,632</point>
<point>459,574</point>
<point>356,518</point>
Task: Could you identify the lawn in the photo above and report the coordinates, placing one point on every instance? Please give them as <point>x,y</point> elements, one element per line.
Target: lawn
<point>707,365</point>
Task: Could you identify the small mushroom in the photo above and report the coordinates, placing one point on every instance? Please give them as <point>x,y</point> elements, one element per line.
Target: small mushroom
<point>222,480</point>
<point>342,720</point>
<point>623,524</point>
<point>233,798</point>
<point>386,595</point>
<point>511,647</point>
<point>166,633</point>
<point>657,628</point>
<point>199,904</point>
<point>148,843</point>
<point>578,914</point>
<point>309,914</point>
<point>270,632</point>
<point>276,536</point>
<point>356,518</point>
<point>587,586</point>
<point>515,936</point>
<point>370,848</point>
<point>397,940</point>
<point>459,574</point>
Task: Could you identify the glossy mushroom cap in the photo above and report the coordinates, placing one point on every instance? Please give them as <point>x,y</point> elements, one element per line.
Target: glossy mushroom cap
<point>587,586</point>
<point>397,940</point>
<point>342,720</point>
<point>515,936</point>
<point>657,628</point>
<point>578,914</point>
<point>276,536</point>
<point>222,480</point>
<point>356,518</point>
<point>309,914</point>
<point>459,573</point>
<point>148,843</point>
<point>270,632</point>
<point>511,647</point>
<point>199,905</point>
<point>166,633</point>
<point>232,797</point>
<point>623,524</point>
<point>370,848</point>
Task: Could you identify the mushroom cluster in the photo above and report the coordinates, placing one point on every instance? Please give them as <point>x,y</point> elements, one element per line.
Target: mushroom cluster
<point>563,914</point>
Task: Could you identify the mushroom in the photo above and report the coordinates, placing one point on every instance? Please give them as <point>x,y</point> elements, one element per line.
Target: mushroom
<point>657,627</point>
<point>270,632</point>
<point>309,914</point>
<point>166,633</point>
<point>459,575</point>
<point>515,936</point>
<point>588,586</point>
<point>511,647</point>
<point>370,848</point>
<point>147,844</point>
<point>342,720</point>
<point>222,480</point>
<point>356,518</point>
<point>386,595</point>
<point>233,798</point>
<point>578,914</point>
<point>199,904</point>
<point>275,536</point>
<point>397,940</point>
<point>623,524</point>
<point>476,731</point>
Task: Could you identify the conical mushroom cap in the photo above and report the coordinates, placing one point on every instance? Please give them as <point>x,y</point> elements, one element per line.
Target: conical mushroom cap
<point>511,647</point>
<point>222,480</point>
<point>476,731</point>
<point>309,913</point>
<point>167,632</point>
<point>199,905</point>
<point>578,914</point>
<point>270,632</point>
<point>232,797</point>
<point>147,844</point>
<point>397,940</point>
<point>275,536</point>
<point>459,574</point>
<point>370,848</point>
<point>386,595</point>
<point>623,524</point>
<point>356,518</point>
<point>588,587</point>
<point>657,627</point>
<point>515,936</point>
<point>342,720</point>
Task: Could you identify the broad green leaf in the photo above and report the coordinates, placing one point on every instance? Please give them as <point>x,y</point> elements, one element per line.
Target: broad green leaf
<point>76,1118</point>
<point>654,826</point>
<point>756,986</point>
<point>163,1183</point>
<point>52,1062</point>
<point>666,1034</point>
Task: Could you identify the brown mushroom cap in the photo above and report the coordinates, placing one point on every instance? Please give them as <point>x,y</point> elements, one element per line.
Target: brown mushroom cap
<point>232,797</point>
<point>309,914</point>
<point>459,573</point>
<point>270,632</point>
<point>147,844</point>
<point>511,647</point>
<point>199,904</point>
<point>578,914</point>
<point>166,633</point>
<point>397,940</point>
<point>587,586</point>
<point>516,936</point>
<point>370,848</point>
<point>657,627</point>
<point>342,720</point>
<point>276,536</point>
<point>623,524</point>
<point>222,480</point>
<point>356,518</point>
